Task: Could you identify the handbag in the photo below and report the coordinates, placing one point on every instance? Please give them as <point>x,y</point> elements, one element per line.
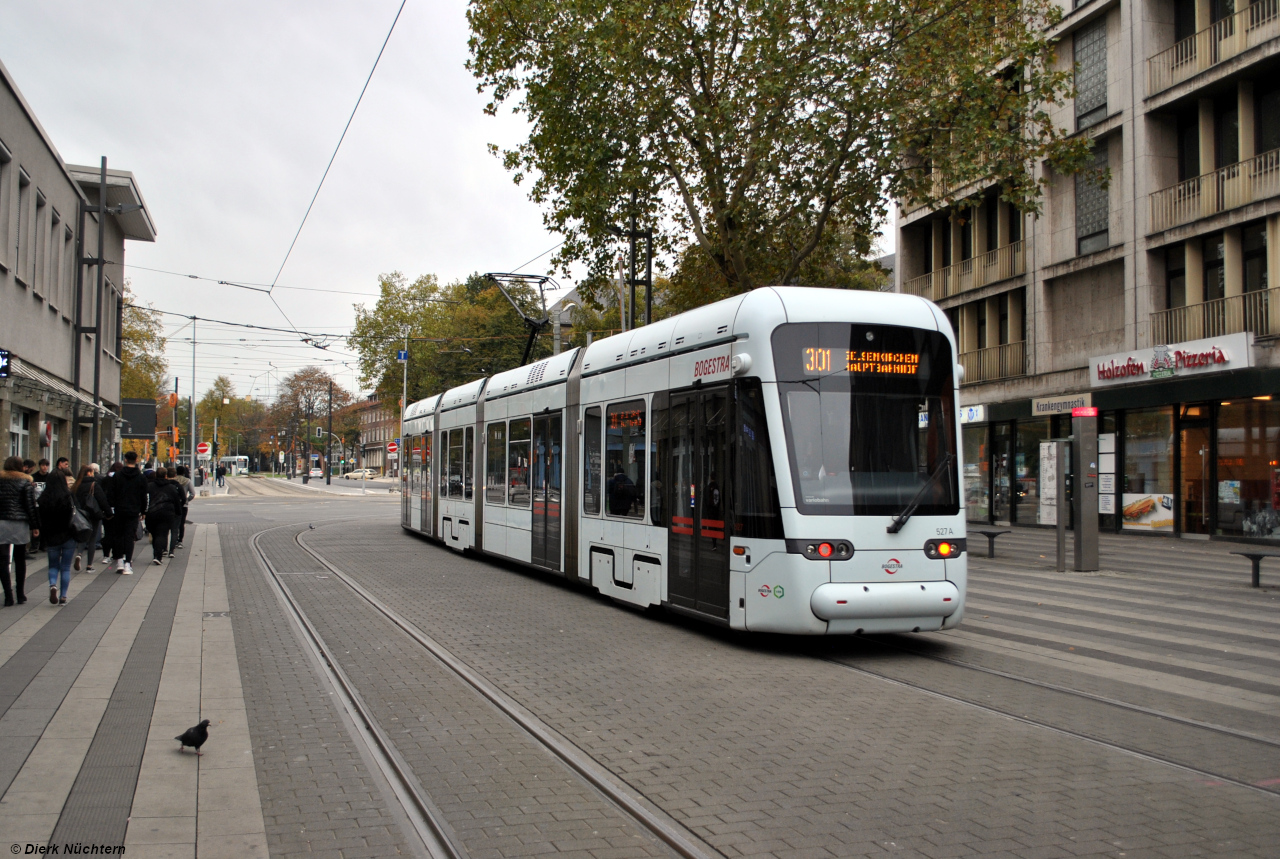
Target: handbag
<point>91,505</point>
<point>141,533</point>
<point>80,525</point>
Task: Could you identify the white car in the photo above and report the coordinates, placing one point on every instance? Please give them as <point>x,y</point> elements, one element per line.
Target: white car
<point>317,472</point>
<point>360,474</point>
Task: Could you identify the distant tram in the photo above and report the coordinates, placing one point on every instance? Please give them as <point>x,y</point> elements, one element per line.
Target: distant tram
<point>782,461</point>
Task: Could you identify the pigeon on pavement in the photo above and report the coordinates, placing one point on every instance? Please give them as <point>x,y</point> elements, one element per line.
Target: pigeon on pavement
<point>194,737</point>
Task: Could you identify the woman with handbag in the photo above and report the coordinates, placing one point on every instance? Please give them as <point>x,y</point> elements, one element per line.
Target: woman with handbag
<point>93,503</point>
<point>56,510</point>
<point>19,522</point>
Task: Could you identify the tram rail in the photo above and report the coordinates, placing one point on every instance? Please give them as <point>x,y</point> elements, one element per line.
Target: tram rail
<point>438,838</point>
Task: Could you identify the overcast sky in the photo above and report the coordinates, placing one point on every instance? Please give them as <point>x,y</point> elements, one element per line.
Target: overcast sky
<point>227,113</point>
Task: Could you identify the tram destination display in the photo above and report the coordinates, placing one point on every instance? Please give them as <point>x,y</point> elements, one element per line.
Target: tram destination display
<point>818,361</point>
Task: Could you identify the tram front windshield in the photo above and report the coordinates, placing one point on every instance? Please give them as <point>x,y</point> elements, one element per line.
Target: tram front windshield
<point>869,412</point>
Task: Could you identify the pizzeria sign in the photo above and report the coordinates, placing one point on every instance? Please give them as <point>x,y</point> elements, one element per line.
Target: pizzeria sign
<point>1173,360</point>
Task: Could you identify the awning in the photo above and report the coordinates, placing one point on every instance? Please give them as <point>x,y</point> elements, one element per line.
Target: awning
<point>22,371</point>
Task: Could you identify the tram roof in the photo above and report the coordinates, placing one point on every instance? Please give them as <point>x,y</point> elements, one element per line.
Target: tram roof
<point>463,395</point>
<point>760,311</point>
<point>548,371</point>
<point>422,407</point>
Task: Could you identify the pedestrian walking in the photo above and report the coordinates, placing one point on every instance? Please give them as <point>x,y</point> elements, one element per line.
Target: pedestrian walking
<point>162,508</point>
<point>126,489</point>
<point>188,495</point>
<point>39,474</point>
<point>19,522</point>
<point>222,475</point>
<point>93,502</point>
<point>56,509</point>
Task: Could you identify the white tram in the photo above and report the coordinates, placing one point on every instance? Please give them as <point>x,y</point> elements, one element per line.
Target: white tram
<point>782,461</point>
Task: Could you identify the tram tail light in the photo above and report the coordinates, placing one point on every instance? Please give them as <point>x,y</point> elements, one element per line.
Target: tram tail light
<point>943,549</point>
<point>825,550</point>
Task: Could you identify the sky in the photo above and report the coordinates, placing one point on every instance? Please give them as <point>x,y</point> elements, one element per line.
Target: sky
<point>227,114</point>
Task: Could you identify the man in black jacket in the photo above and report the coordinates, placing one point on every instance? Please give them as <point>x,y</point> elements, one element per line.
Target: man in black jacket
<point>127,492</point>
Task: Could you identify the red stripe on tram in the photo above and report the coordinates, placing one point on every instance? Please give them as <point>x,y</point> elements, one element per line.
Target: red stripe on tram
<point>715,535</point>
<point>681,520</point>
<point>713,523</point>
<point>676,529</point>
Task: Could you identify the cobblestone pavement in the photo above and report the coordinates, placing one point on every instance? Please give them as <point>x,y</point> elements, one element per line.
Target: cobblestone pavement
<point>765,746</point>
<point>1133,712</point>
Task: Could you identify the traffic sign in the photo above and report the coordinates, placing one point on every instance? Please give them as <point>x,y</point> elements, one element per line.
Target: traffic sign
<point>203,448</point>
<point>402,355</point>
<point>392,447</point>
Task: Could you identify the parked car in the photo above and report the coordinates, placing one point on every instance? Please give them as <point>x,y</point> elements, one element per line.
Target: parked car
<point>317,472</point>
<point>360,474</point>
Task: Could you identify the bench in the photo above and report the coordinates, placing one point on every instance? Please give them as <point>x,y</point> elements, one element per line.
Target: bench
<point>1256,558</point>
<point>991,538</point>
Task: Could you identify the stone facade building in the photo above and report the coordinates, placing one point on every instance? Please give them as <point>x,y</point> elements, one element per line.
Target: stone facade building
<point>47,403</point>
<point>379,424</point>
<point>1153,298</point>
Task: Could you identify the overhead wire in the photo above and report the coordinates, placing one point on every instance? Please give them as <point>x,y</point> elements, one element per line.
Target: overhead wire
<point>343,136</point>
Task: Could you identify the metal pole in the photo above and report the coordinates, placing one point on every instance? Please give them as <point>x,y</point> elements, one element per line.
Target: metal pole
<point>1060,455</point>
<point>97,320</point>
<point>648,277</point>
<point>328,442</point>
<point>191,434</point>
<point>404,404</point>
<point>631,280</point>
<point>79,333</point>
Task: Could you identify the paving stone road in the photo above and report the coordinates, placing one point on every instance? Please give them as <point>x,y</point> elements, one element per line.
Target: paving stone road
<point>1150,727</point>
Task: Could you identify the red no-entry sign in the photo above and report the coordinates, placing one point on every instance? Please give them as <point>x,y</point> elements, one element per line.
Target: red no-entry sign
<point>203,448</point>
<point>392,447</point>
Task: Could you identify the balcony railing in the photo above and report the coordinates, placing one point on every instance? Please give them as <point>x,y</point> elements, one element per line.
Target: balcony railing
<point>994,362</point>
<point>1234,34</point>
<point>1257,311</point>
<point>999,264</point>
<point>1234,185</point>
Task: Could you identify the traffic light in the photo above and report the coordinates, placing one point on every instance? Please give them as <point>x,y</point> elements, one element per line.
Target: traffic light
<point>174,431</point>
<point>215,448</point>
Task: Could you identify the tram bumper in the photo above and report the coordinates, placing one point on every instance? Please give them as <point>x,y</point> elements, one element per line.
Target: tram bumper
<point>885,606</point>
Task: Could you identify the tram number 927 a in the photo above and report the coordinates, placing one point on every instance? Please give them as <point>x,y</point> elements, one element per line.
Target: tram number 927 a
<point>783,461</point>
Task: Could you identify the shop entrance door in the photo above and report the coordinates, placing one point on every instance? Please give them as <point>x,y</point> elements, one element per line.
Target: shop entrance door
<point>699,429</point>
<point>1002,473</point>
<point>1197,476</point>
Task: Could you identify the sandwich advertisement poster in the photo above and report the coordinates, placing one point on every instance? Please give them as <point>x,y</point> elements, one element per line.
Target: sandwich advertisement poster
<point>1147,512</point>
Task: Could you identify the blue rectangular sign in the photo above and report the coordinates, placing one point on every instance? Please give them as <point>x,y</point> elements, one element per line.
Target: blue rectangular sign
<point>402,355</point>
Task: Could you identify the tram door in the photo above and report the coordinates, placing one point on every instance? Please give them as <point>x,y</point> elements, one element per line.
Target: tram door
<point>415,481</point>
<point>428,522</point>
<point>546,479</point>
<point>699,427</point>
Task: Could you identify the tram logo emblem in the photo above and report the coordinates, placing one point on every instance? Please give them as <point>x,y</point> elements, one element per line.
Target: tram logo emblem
<point>765,590</point>
<point>776,590</point>
<point>891,566</point>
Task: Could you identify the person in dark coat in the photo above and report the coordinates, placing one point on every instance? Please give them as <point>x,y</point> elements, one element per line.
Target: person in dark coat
<point>93,502</point>
<point>127,491</point>
<point>19,522</point>
<point>162,508</point>
<point>56,509</point>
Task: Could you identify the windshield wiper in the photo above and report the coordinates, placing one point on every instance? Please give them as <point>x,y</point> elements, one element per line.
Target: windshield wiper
<point>901,518</point>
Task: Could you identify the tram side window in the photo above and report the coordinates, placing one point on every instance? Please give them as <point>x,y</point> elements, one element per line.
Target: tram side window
<point>625,454</point>
<point>455,463</point>
<point>495,456</point>
<point>757,513</point>
<point>591,462</point>
<point>468,463</point>
<point>518,462</point>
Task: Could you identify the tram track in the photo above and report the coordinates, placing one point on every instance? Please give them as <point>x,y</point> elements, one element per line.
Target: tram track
<point>1211,776</point>
<point>438,839</point>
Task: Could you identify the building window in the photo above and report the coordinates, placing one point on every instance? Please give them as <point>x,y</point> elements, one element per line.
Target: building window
<point>1254,240</point>
<point>1248,478</point>
<point>1188,123</point>
<point>1148,501</point>
<point>1184,19</point>
<point>1267,126</point>
<point>19,432</point>
<point>1226,131</point>
<point>1091,73</point>
<point>1175,279</point>
<point>1215,267</point>
<point>1093,209</point>
<point>40,265</point>
<point>24,217</point>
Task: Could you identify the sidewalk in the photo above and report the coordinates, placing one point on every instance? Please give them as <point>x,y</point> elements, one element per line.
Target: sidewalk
<point>91,696</point>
